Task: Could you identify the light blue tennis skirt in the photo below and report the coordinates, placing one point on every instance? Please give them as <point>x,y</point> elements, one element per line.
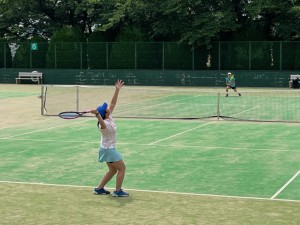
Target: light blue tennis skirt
<point>109,155</point>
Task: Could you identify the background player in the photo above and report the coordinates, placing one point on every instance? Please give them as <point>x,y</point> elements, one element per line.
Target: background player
<point>230,83</point>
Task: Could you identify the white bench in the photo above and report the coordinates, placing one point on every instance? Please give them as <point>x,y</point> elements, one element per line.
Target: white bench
<point>293,77</point>
<point>33,76</point>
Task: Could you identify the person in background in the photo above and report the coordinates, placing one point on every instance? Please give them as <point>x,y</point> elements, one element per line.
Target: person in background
<point>108,152</point>
<point>230,84</point>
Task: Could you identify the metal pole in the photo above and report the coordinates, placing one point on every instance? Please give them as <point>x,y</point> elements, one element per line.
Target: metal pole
<point>193,59</point>
<point>280,56</point>
<point>4,46</point>
<point>219,55</point>
<point>55,64</point>
<point>107,55</point>
<point>77,98</point>
<point>163,56</point>
<point>42,100</point>
<point>218,107</point>
<point>135,56</point>
<point>80,55</point>
<point>30,63</point>
<point>250,49</point>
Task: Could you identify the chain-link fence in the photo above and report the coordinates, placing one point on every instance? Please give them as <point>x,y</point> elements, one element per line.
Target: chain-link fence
<point>274,55</point>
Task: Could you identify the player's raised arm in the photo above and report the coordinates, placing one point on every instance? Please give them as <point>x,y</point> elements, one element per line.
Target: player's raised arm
<point>119,84</point>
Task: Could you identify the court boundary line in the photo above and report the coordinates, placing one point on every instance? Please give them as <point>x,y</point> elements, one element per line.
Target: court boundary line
<point>285,185</point>
<point>154,105</point>
<point>35,131</point>
<point>18,97</point>
<point>160,145</point>
<point>174,135</point>
<point>24,124</point>
<point>152,143</point>
<point>153,191</point>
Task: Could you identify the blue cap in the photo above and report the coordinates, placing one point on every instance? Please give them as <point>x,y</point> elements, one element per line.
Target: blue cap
<point>102,110</point>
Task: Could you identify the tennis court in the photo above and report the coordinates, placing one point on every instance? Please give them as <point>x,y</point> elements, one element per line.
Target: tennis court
<point>179,171</point>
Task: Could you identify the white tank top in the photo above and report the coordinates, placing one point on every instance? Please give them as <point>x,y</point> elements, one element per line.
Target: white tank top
<point>108,135</point>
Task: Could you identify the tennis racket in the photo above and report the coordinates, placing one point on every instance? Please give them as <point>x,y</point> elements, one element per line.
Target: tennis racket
<point>71,114</point>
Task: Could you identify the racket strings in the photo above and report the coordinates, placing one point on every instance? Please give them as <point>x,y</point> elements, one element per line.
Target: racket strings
<point>69,115</point>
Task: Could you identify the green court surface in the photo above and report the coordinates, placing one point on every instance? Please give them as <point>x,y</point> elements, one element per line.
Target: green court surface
<point>178,171</point>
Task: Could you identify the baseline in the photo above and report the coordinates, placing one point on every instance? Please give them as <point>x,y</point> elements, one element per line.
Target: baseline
<point>153,191</point>
<point>49,128</point>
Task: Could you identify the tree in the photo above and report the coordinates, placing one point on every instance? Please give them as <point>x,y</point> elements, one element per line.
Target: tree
<point>18,19</point>
<point>280,18</point>
<point>194,22</point>
<point>66,49</point>
<point>24,19</point>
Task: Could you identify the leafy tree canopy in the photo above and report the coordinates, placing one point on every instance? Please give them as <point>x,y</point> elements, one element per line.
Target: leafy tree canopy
<point>196,22</point>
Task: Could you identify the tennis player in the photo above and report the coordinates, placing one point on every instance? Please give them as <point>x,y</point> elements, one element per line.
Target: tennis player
<point>107,151</point>
<point>230,84</point>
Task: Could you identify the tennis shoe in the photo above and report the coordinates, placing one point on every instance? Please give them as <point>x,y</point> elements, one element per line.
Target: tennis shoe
<point>226,95</point>
<point>100,191</point>
<point>240,94</point>
<point>120,193</point>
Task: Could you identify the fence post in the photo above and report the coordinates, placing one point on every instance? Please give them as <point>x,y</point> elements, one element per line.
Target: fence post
<point>193,59</point>
<point>55,64</point>
<point>80,55</point>
<point>250,55</point>
<point>163,56</point>
<point>107,55</point>
<point>135,56</point>
<point>280,55</point>
<point>30,58</point>
<point>4,52</point>
<point>219,52</point>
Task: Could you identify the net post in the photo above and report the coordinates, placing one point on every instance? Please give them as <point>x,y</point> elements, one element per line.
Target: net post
<point>42,100</point>
<point>77,98</point>
<point>218,106</point>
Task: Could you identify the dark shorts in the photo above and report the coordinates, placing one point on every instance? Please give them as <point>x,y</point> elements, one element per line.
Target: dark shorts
<point>232,87</point>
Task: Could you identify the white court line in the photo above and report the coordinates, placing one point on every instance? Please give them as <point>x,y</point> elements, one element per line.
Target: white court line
<point>18,97</point>
<point>159,145</point>
<point>246,110</point>
<point>139,109</point>
<point>284,186</point>
<point>152,191</point>
<point>181,133</point>
<point>49,128</point>
<point>53,140</point>
<point>23,124</point>
<point>197,127</point>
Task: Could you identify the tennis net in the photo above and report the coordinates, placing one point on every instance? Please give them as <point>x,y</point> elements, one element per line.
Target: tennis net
<point>175,103</point>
